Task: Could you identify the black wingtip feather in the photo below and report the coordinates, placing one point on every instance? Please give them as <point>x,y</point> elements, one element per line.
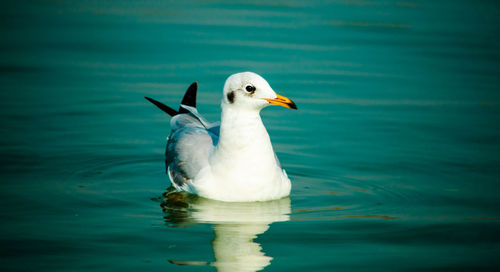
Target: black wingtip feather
<point>162,106</point>
<point>189,98</point>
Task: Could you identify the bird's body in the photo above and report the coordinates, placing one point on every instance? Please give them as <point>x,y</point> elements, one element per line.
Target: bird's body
<point>233,160</point>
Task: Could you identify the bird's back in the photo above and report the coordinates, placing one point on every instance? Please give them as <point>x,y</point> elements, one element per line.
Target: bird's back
<point>188,147</point>
<point>190,142</point>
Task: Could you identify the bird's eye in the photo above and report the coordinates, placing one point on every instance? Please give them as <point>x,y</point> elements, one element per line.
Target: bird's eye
<point>250,88</point>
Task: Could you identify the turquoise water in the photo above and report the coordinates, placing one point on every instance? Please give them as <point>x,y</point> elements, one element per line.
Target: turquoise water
<point>393,153</point>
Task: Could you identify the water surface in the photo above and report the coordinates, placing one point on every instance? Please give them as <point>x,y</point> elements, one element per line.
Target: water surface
<point>393,153</point>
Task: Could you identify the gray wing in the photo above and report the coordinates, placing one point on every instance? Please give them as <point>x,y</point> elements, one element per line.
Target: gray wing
<point>191,141</point>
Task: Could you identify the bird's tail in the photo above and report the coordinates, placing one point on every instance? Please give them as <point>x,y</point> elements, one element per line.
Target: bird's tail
<point>189,99</point>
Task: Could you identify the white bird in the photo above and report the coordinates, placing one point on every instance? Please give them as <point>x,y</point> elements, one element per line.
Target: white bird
<point>232,160</point>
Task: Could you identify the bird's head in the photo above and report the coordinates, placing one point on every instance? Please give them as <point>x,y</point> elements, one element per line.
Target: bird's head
<point>250,91</point>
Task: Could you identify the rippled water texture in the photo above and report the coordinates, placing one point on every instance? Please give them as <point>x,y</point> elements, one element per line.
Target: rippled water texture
<point>393,153</point>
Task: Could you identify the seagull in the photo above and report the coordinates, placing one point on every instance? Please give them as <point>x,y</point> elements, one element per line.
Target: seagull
<point>232,160</point>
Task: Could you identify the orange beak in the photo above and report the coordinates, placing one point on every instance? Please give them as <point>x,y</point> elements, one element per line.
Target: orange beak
<point>282,101</point>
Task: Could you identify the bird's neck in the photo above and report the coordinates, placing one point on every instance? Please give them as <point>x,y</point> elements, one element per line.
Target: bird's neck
<point>243,139</point>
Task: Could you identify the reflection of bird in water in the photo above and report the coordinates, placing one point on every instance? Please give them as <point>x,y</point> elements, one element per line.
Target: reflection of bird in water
<point>235,225</point>
<point>233,160</point>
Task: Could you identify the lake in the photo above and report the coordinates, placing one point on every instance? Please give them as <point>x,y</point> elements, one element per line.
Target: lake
<point>393,153</point>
